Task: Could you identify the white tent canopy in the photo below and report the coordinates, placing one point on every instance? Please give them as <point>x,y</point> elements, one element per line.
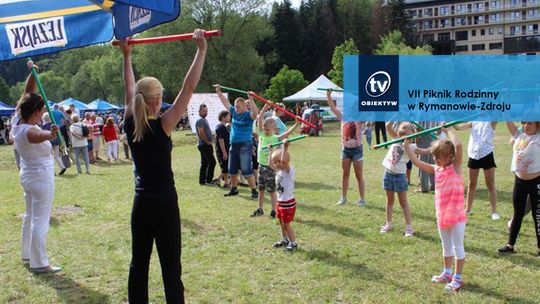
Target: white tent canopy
<point>310,93</point>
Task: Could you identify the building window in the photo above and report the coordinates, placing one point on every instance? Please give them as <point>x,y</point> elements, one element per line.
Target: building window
<point>533,13</point>
<point>445,22</point>
<point>445,10</point>
<point>462,35</point>
<point>461,21</point>
<point>479,47</point>
<point>461,9</point>
<point>500,30</point>
<point>495,4</point>
<point>533,2</point>
<point>443,36</point>
<point>495,46</point>
<point>473,33</point>
<point>495,17</point>
<point>482,32</point>
<point>478,7</point>
<point>428,12</point>
<point>428,24</point>
<point>491,31</point>
<point>462,48</point>
<point>428,38</point>
<point>515,30</point>
<point>515,15</point>
<point>514,3</point>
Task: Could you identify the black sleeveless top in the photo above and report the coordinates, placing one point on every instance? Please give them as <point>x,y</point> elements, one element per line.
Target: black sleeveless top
<point>152,159</point>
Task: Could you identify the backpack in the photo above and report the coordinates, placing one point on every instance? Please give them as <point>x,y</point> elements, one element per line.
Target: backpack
<point>84,130</point>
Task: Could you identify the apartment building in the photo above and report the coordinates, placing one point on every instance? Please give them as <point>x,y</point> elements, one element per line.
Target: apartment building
<point>478,27</point>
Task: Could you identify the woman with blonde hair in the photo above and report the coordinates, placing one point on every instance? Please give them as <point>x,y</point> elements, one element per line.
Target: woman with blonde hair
<point>155,214</point>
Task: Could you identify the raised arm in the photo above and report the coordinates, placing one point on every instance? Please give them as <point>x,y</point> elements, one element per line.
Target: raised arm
<point>420,164</point>
<point>30,86</point>
<point>511,127</point>
<point>129,77</point>
<point>332,105</point>
<point>172,116</point>
<point>288,132</point>
<point>260,118</point>
<point>390,129</point>
<point>222,97</point>
<point>463,126</point>
<point>286,165</point>
<point>459,148</point>
<point>254,110</point>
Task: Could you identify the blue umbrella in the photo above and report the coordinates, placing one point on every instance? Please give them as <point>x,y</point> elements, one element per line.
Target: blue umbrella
<point>34,27</point>
<point>165,105</point>
<point>79,105</point>
<point>6,110</point>
<point>100,105</point>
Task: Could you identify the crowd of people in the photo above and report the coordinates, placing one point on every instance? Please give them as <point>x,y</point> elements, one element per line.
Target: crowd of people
<point>253,144</point>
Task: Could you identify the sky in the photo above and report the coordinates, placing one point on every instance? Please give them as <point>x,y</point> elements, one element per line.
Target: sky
<point>295,3</point>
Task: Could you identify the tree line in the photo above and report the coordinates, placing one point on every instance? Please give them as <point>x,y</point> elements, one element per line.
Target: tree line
<point>264,46</point>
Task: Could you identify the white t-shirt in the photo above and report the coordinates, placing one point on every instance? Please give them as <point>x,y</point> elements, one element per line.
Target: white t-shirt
<point>14,121</point>
<point>480,140</point>
<point>526,156</point>
<point>285,184</point>
<point>396,159</point>
<point>36,159</point>
<point>99,121</point>
<point>76,128</point>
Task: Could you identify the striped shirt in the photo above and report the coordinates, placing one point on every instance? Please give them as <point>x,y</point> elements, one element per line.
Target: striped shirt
<point>449,197</point>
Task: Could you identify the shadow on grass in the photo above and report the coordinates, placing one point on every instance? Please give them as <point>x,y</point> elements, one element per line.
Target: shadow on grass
<point>345,231</point>
<point>314,186</point>
<point>70,291</point>
<point>527,261</point>
<point>359,270</point>
<point>192,225</point>
<point>493,293</point>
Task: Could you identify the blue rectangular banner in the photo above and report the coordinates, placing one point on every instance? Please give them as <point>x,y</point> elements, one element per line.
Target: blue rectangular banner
<point>442,88</point>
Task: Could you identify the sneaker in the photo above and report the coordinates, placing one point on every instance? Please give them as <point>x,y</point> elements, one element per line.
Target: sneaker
<point>342,201</point>
<point>282,243</point>
<point>213,184</point>
<point>62,171</point>
<point>386,228</point>
<point>361,203</point>
<point>409,232</point>
<point>469,212</point>
<point>291,247</point>
<point>233,192</point>
<point>257,212</point>
<point>442,278</point>
<point>273,214</point>
<point>506,249</point>
<point>455,285</point>
<point>495,216</point>
<point>254,196</point>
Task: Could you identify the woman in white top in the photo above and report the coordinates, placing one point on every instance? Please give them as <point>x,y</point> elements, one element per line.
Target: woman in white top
<point>37,179</point>
<point>480,151</point>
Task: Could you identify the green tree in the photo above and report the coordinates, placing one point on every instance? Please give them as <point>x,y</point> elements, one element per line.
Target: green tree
<point>394,44</point>
<point>285,83</point>
<point>4,90</point>
<point>346,48</point>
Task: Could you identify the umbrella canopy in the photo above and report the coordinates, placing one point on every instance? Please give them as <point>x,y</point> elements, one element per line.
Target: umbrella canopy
<point>310,93</point>
<point>79,105</point>
<point>6,110</point>
<point>101,105</point>
<point>34,27</point>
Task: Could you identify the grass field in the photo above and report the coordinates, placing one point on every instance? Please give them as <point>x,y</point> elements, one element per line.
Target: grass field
<point>228,257</point>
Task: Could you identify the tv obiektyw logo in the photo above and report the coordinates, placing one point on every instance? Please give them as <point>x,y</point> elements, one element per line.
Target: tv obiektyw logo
<point>378,83</point>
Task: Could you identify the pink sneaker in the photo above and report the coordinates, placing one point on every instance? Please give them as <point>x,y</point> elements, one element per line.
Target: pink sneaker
<point>442,278</point>
<point>455,285</point>
<point>409,232</point>
<point>386,228</point>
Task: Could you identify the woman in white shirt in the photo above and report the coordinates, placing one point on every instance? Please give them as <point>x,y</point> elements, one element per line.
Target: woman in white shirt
<point>37,180</point>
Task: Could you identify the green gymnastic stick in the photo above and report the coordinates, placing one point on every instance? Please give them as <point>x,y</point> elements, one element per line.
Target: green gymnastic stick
<point>233,90</point>
<point>279,143</point>
<point>415,135</point>
<point>330,89</point>
<point>44,97</point>
<point>422,129</point>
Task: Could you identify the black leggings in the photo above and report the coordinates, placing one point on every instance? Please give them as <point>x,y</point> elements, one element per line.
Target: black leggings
<point>157,219</point>
<point>522,189</point>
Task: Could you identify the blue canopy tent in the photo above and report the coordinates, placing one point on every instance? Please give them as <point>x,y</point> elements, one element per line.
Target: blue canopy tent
<point>79,105</point>
<point>100,105</point>
<point>35,27</point>
<point>6,110</point>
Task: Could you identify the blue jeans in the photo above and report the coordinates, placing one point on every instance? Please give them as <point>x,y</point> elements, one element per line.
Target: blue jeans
<point>84,152</point>
<point>240,158</point>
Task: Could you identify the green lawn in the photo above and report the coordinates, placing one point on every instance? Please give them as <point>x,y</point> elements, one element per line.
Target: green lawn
<point>228,256</point>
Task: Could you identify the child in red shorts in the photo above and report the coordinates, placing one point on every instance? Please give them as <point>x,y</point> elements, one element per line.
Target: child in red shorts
<point>286,205</point>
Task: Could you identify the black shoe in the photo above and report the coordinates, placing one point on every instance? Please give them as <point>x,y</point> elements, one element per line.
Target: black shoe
<point>282,243</point>
<point>273,214</point>
<point>233,192</point>
<point>255,195</point>
<point>506,249</point>
<point>291,247</point>
<point>257,212</point>
<point>212,184</point>
<point>62,171</point>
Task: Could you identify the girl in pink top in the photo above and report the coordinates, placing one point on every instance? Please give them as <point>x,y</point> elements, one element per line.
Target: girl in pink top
<point>449,204</point>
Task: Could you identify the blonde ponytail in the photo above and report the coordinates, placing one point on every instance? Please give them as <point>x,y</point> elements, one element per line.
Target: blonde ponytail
<point>146,90</point>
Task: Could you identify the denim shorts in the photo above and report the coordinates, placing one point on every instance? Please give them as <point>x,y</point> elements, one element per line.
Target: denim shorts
<point>395,182</point>
<point>354,154</point>
<point>240,159</point>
